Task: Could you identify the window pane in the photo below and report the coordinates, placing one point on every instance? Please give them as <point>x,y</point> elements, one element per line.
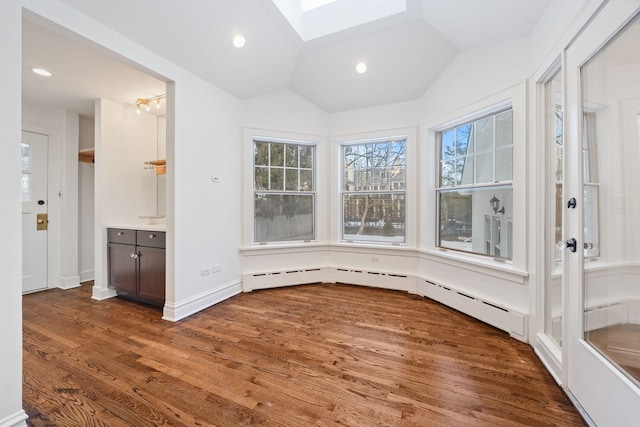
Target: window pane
<point>374,217</point>
<point>306,180</point>
<point>261,154</point>
<point>469,223</point>
<point>484,167</point>
<point>291,179</point>
<point>26,187</point>
<point>484,134</point>
<point>292,155</point>
<point>504,164</point>
<point>306,157</point>
<point>504,128</point>
<point>261,175</point>
<point>277,179</point>
<point>465,168</point>
<point>463,139</point>
<point>277,154</point>
<point>25,157</point>
<point>448,145</point>
<point>449,174</point>
<point>283,217</point>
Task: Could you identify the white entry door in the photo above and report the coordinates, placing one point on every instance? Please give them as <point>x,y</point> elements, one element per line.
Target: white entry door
<point>602,171</point>
<point>34,211</point>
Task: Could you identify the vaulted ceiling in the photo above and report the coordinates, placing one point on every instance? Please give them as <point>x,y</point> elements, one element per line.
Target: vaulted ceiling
<point>405,52</point>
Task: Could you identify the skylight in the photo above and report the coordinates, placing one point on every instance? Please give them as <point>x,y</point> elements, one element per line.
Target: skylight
<point>313,19</point>
<point>307,5</point>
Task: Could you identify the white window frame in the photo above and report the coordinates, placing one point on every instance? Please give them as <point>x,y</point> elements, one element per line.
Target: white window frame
<point>253,134</point>
<point>516,97</point>
<point>374,190</point>
<point>493,247</point>
<point>411,195</point>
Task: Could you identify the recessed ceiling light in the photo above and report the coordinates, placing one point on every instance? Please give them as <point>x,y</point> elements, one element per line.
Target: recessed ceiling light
<point>42,72</point>
<point>239,41</point>
<point>361,67</point>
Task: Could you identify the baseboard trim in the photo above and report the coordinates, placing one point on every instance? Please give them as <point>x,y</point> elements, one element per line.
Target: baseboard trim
<point>15,420</point>
<point>550,355</point>
<point>87,276</point>
<point>101,294</point>
<point>174,312</point>
<point>69,282</point>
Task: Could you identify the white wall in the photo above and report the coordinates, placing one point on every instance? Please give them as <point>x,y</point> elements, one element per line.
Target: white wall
<point>86,211</point>
<point>11,413</point>
<point>284,111</point>
<point>126,141</point>
<point>204,142</point>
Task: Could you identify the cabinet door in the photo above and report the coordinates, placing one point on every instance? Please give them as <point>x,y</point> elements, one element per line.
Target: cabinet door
<point>122,268</point>
<point>152,274</point>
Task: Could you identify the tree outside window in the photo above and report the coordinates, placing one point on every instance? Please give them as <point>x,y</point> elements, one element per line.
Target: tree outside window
<point>374,191</point>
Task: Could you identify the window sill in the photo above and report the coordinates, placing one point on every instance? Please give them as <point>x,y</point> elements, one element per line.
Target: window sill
<point>283,248</point>
<point>485,265</point>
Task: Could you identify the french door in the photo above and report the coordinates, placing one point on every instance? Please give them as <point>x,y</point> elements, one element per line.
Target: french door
<point>602,216</point>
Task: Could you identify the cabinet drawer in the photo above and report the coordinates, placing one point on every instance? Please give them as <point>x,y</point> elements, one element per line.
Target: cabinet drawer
<point>153,239</point>
<point>121,235</point>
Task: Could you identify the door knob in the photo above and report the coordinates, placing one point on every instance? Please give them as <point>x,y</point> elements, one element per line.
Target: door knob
<point>572,244</point>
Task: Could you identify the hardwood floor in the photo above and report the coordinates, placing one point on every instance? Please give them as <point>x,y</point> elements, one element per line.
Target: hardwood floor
<point>306,355</point>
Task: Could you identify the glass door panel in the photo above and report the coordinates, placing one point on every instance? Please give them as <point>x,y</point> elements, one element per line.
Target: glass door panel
<point>611,159</point>
<point>601,366</point>
<point>554,119</point>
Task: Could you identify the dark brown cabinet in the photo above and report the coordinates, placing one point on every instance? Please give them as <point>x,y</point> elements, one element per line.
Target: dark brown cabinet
<point>136,262</point>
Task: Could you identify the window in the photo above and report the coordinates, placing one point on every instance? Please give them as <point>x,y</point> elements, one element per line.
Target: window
<point>374,191</point>
<point>283,191</point>
<point>25,163</point>
<point>474,194</point>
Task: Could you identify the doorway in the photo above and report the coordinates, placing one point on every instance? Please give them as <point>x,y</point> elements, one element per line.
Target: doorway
<point>35,205</point>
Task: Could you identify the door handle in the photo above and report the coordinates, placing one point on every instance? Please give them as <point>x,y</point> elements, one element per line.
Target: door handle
<point>41,221</point>
<point>572,244</point>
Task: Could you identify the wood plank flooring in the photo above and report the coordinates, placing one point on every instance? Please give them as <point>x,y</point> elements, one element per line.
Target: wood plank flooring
<point>318,355</point>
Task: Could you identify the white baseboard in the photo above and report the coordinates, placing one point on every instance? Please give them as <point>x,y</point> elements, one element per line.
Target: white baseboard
<point>181,309</point>
<point>14,420</point>
<point>103,293</point>
<point>550,354</point>
<point>499,316</point>
<point>87,276</point>
<point>277,279</point>
<point>69,282</point>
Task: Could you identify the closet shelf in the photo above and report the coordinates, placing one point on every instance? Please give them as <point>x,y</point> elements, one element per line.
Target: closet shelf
<point>87,156</point>
<point>159,166</point>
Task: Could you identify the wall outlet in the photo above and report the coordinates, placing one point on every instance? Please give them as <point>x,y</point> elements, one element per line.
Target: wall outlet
<point>216,268</point>
<point>205,271</point>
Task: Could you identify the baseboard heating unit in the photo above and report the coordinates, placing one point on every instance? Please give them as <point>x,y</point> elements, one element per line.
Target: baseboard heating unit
<point>501,317</point>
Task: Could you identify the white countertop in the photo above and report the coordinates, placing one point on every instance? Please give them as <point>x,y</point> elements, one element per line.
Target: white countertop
<point>140,226</point>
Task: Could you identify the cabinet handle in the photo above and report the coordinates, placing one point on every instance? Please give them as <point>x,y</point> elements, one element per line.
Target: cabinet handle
<point>134,255</point>
<point>120,233</point>
<point>151,236</point>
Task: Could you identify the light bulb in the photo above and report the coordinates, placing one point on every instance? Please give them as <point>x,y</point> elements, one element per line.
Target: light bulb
<point>147,106</point>
<point>361,67</point>
<point>42,72</point>
<point>158,104</point>
<point>138,109</point>
<point>239,41</point>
